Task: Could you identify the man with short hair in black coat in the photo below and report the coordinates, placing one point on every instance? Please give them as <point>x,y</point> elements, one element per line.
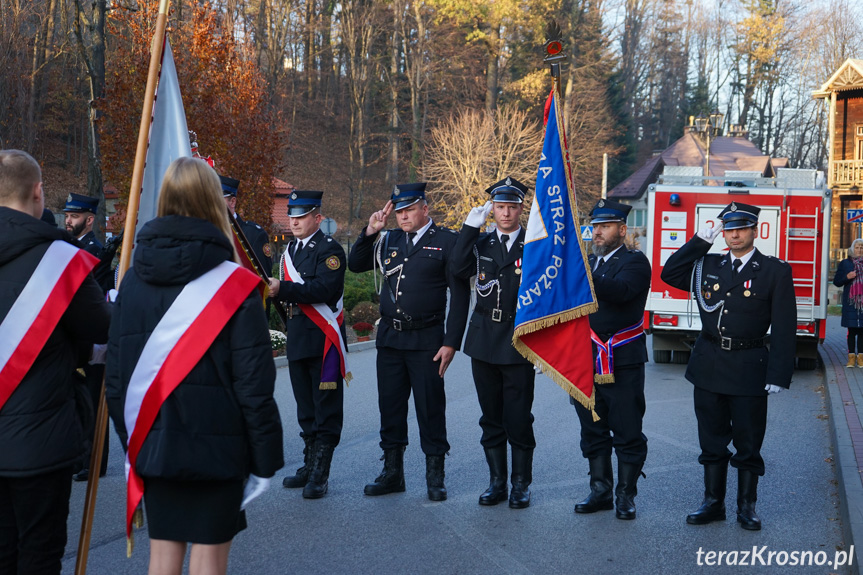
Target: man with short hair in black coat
<point>40,429</point>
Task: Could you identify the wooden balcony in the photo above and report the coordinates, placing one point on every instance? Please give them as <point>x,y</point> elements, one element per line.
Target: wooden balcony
<point>847,173</point>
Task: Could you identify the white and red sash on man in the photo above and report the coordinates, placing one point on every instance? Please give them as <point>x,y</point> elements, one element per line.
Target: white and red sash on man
<point>37,310</point>
<point>177,344</point>
<point>335,361</point>
<point>604,364</point>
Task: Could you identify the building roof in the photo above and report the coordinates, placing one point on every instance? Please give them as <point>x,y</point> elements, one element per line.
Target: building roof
<point>849,76</point>
<point>726,154</point>
<point>281,191</point>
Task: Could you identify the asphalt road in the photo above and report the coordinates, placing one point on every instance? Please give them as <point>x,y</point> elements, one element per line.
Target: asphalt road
<point>347,532</point>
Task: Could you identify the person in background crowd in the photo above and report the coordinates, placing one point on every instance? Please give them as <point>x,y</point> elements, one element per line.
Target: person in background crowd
<point>504,379</point>
<point>217,425</point>
<point>41,433</point>
<point>256,235</point>
<point>417,338</point>
<point>849,276</point>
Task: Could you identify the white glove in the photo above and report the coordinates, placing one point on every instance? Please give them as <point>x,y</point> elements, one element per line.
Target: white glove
<point>100,350</point>
<point>254,487</point>
<point>477,216</point>
<point>709,234</point>
<point>112,295</point>
<point>771,389</point>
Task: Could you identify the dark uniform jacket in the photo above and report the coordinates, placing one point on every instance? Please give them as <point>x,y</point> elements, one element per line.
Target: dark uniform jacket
<point>90,244</point>
<point>221,422</point>
<point>621,286</point>
<point>415,287</point>
<point>770,305</point>
<point>321,263</point>
<point>40,430</point>
<point>851,316</point>
<point>480,255</point>
<point>259,241</point>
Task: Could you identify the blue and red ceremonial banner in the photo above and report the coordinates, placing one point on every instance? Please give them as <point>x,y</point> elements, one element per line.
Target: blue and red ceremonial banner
<point>556,293</point>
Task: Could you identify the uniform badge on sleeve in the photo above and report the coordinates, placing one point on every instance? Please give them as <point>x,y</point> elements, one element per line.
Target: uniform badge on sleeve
<point>268,251</point>
<point>333,263</point>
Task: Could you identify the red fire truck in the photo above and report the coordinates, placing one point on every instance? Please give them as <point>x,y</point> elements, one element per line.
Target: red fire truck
<point>793,225</point>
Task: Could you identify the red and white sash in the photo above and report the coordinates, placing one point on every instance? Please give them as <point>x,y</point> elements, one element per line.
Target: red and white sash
<point>36,312</point>
<point>604,364</point>
<point>180,340</point>
<point>328,322</point>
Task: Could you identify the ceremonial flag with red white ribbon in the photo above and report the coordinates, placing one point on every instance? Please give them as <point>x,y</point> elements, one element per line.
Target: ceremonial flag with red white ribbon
<point>556,294</point>
<point>37,310</point>
<point>328,321</point>
<point>177,344</point>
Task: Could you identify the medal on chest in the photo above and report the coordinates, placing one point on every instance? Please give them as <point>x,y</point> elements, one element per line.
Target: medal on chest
<point>518,267</point>
<point>746,285</point>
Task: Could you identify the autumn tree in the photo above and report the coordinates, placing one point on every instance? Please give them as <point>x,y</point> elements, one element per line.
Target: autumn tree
<point>224,97</point>
<point>475,148</point>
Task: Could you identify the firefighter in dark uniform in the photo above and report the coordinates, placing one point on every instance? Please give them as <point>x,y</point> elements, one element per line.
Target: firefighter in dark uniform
<point>320,262</point>
<point>504,379</point>
<point>740,296</point>
<point>416,338</point>
<point>256,235</point>
<point>80,214</point>
<point>621,280</point>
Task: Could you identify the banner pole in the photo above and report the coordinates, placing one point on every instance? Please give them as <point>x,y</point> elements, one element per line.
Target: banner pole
<point>125,257</point>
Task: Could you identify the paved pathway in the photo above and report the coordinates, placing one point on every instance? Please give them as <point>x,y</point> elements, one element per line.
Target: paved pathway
<point>346,532</point>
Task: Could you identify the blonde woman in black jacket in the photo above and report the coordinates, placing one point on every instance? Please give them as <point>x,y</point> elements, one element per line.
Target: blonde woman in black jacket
<point>220,424</point>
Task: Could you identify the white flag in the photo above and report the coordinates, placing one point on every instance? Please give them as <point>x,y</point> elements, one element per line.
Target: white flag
<point>169,137</point>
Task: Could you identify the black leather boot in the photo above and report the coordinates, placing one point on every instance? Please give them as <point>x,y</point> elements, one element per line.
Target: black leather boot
<point>601,482</point>
<point>434,477</point>
<point>747,494</point>
<point>302,476</point>
<point>522,475</point>
<point>713,506</point>
<point>319,475</point>
<point>627,480</point>
<point>497,489</point>
<point>392,478</point>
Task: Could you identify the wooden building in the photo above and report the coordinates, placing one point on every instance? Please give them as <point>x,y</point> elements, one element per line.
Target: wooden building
<point>844,93</point>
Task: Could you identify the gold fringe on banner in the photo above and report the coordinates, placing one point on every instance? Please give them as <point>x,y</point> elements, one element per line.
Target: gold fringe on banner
<point>603,378</point>
<point>558,378</point>
<point>555,319</point>
<point>327,386</point>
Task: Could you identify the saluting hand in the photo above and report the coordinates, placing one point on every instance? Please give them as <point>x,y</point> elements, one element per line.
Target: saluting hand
<point>378,220</point>
<point>477,216</point>
<point>445,355</point>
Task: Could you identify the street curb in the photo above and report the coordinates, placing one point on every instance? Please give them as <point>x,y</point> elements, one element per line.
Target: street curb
<point>842,408</point>
<point>282,361</point>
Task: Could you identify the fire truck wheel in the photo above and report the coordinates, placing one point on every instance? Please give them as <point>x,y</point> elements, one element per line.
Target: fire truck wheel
<point>680,357</point>
<point>807,363</point>
<point>661,356</point>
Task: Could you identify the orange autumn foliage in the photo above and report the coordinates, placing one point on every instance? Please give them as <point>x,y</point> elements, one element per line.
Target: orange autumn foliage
<point>224,97</point>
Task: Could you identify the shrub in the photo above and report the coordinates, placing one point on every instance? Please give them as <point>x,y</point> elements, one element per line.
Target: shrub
<point>365,312</point>
<point>359,288</point>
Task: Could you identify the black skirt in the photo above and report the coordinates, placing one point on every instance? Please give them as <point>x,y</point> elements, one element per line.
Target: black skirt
<point>205,512</point>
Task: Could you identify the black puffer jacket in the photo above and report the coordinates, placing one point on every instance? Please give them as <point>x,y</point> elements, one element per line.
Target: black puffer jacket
<point>40,429</point>
<point>221,422</point>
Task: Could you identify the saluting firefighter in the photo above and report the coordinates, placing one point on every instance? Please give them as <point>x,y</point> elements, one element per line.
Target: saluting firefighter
<point>416,338</point>
<point>504,379</point>
<point>320,262</point>
<point>256,235</point>
<point>740,296</point>
<point>621,281</point>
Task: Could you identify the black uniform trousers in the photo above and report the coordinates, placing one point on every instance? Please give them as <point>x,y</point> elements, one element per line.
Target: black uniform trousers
<point>505,395</point>
<point>726,418</point>
<point>33,515</point>
<point>319,411</point>
<point>399,373</point>
<point>620,407</point>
